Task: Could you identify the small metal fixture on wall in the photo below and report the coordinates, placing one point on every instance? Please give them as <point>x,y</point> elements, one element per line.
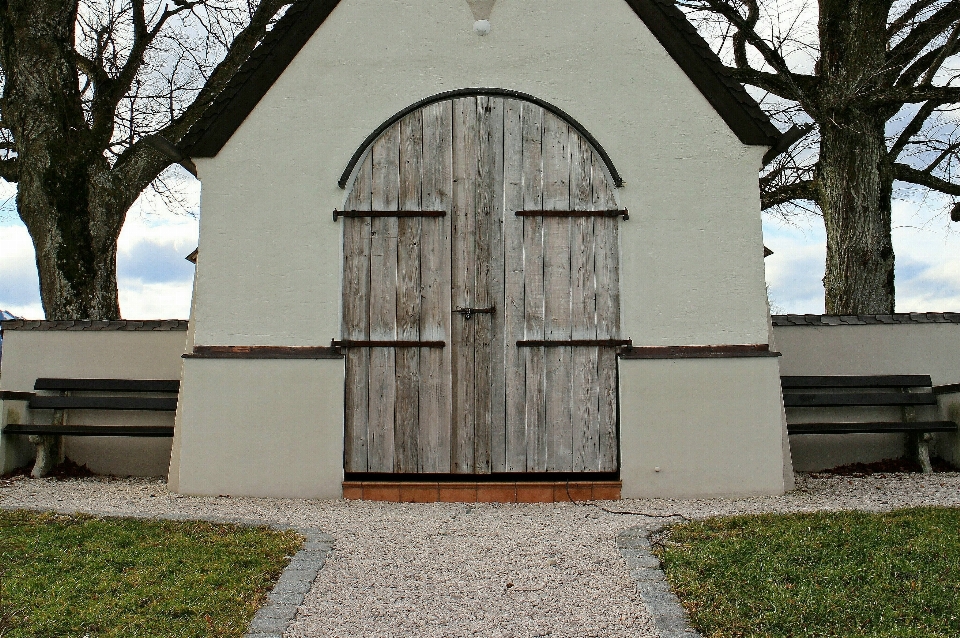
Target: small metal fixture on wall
<point>481,10</point>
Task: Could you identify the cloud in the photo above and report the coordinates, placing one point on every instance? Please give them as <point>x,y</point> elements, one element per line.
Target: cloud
<point>927,252</point>
<point>19,289</point>
<point>795,269</point>
<point>154,279</point>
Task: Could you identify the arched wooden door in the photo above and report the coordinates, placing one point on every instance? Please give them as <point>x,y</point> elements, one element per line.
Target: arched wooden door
<point>481,295</point>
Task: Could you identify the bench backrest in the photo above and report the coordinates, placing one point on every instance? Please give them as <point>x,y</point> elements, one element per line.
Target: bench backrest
<point>856,381</point>
<point>107,385</point>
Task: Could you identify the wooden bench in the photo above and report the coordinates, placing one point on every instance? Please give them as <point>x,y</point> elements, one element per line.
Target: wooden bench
<point>109,394</point>
<point>905,391</point>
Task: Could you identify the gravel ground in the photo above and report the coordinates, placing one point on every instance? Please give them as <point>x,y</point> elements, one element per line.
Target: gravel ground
<point>457,570</point>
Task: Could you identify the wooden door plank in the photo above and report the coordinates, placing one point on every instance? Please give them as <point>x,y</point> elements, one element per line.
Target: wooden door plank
<point>435,363</point>
<point>356,321</point>
<point>514,367</point>
<point>407,408</point>
<point>383,301</point>
<point>607,257</point>
<point>490,433</point>
<point>556,286</point>
<point>533,328</point>
<point>463,275</point>
<point>585,392</point>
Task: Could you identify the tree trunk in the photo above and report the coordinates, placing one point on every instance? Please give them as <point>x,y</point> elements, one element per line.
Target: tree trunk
<point>855,181</point>
<point>855,188</point>
<point>64,191</point>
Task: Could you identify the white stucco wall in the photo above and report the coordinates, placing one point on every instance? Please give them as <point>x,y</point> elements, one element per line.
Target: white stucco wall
<point>692,265</point>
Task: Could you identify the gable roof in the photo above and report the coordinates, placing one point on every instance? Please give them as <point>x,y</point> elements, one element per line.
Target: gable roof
<point>281,45</point>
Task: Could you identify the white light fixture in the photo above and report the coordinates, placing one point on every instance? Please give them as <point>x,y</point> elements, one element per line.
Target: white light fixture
<point>482,27</point>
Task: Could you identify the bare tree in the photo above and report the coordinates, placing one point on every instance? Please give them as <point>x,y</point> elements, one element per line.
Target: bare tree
<point>96,95</point>
<point>877,82</point>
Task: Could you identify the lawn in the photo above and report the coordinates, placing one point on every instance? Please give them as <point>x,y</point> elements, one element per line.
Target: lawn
<point>83,576</point>
<point>845,574</point>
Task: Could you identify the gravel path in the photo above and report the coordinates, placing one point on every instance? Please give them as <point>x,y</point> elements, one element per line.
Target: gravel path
<point>455,570</point>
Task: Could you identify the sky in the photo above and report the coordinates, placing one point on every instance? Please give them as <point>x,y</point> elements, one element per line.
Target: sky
<point>156,281</point>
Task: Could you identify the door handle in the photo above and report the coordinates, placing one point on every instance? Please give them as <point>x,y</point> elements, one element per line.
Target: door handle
<point>469,312</point>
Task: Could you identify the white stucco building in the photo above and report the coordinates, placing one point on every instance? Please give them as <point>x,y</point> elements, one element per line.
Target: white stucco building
<point>612,113</point>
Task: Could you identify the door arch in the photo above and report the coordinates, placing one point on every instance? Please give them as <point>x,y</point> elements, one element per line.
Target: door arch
<point>481,294</point>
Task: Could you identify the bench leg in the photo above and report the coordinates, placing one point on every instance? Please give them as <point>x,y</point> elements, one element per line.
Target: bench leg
<point>48,454</point>
<point>49,449</point>
<point>921,446</point>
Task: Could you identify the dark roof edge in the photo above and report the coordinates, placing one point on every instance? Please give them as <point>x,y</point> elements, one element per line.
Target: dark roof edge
<point>783,321</point>
<point>450,95</point>
<point>150,325</point>
<point>667,23</point>
<point>695,57</point>
<point>255,77</point>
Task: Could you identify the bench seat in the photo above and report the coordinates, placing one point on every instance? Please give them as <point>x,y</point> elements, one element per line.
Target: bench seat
<point>89,430</point>
<point>876,427</point>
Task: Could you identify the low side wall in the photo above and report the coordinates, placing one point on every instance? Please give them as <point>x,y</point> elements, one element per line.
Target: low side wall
<point>260,427</point>
<point>702,427</point>
<point>864,345</point>
<point>115,350</point>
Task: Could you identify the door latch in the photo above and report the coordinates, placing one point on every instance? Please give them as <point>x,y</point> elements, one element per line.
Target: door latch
<point>469,312</point>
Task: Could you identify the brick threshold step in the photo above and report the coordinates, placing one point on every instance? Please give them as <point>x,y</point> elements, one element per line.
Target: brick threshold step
<point>460,492</point>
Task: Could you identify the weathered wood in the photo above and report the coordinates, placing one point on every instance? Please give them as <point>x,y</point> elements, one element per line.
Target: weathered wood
<point>463,274</point>
<point>535,408</point>
<point>435,365</point>
<point>585,391</point>
<point>356,321</point>
<point>557,293</point>
<point>489,437</point>
<point>407,408</point>
<point>606,267</point>
<point>514,368</point>
<point>531,384</point>
<point>383,302</point>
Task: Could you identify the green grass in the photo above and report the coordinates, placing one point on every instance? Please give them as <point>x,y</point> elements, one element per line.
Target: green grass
<point>845,574</point>
<point>102,577</point>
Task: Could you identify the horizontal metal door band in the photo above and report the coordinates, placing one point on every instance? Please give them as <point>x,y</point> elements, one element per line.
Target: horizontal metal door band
<point>574,213</point>
<point>613,343</point>
<point>337,214</point>
<point>388,344</point>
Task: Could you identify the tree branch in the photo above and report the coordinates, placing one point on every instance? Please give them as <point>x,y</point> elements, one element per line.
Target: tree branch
<point>911,129</point>
<point>912,12</point>
<point>922,35</point>
<point>910,95</point>
<point>114,89</point>
<point>806,189</point>
<point>773,82</point>
<point>790,86</point>
<point>911,175</point>
<point>141,163</point>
